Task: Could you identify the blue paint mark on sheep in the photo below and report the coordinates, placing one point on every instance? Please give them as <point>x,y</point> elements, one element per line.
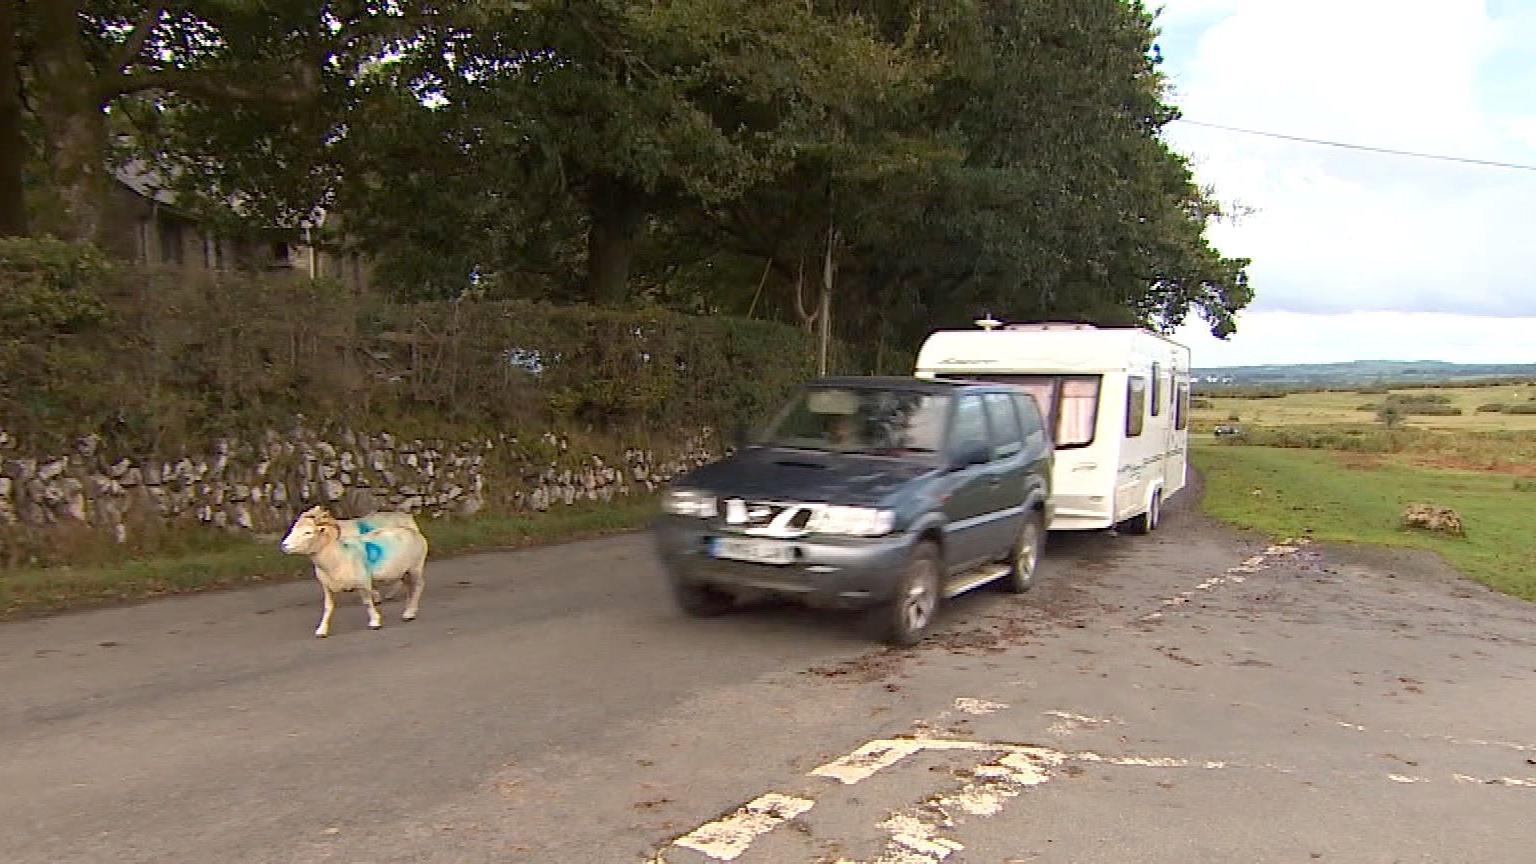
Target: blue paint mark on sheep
<point>374,553</point>
<point>364,526</point>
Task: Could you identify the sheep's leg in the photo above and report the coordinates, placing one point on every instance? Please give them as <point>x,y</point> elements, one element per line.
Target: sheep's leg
<point>418,584</point>
<point>324,629</point>
<point>374,620</point>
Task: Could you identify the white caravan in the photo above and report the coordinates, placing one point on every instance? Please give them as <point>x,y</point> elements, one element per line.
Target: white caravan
<point>1116,397</point>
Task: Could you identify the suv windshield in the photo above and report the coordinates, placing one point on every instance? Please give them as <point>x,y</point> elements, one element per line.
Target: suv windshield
<point>885,422</point>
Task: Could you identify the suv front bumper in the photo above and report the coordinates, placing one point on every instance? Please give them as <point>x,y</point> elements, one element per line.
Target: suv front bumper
<point>847,572</point>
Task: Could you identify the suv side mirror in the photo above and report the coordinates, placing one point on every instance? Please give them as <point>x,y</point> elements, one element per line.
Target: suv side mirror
<point>971,453</point>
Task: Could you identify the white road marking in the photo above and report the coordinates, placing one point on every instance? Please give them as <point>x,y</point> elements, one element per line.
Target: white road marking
<point>978,706</point>
<point>882,753</point>
<point>1528,783</point>
<point>1449,739</point>
<point>914,834</point>
<point>1079,718</point>
<point>1233,575</point>
<point>726,838</point>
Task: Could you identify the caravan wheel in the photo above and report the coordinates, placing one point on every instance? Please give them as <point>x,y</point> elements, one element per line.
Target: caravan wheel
<point>1146,521</point>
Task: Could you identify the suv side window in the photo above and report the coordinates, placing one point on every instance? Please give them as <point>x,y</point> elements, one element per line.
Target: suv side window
<point>1033,423</point>
<point>969,426</point>
<point>1007,434</point>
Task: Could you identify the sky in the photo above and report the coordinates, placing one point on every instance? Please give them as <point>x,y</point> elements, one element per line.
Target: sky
<point>1357,255</point>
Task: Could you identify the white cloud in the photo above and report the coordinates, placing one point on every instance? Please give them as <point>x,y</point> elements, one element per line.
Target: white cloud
<point>1339,231</point>
<point>1292,337</point>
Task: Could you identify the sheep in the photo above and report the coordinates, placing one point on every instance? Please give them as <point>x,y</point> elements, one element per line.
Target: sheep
<point>352,529</point>
<point>388,554</point>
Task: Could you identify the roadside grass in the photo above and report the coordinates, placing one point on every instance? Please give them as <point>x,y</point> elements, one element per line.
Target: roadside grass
<point>1343,407</point>
<point>30,592</point>
<point>1344,497</point>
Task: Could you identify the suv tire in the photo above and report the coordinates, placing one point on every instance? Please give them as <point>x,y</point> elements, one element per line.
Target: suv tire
<point>700,601</point>
<point>1025,556</point>
<point>910,615</point>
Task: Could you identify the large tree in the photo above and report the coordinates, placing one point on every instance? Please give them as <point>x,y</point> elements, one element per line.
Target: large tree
<point>637,110</point>
<point>1031,181</point>
<point>238,93</point>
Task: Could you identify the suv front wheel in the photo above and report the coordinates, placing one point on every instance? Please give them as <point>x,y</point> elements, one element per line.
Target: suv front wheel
<point>910,614</point>
<point>700,601</point>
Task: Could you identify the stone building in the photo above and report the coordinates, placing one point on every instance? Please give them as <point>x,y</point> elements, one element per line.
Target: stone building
<point>151,229</point>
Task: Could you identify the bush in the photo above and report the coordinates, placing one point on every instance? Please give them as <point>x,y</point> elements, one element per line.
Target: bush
<point>1521,408</point>
<point>1420,404</point>
<point>1432,410</point>
<point>1354,439</point>
<point>1201,404</point>
<point>1490,408</point>
<point>152,357</point>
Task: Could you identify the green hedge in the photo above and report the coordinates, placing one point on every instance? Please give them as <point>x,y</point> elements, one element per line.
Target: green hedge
<point>150,356</point>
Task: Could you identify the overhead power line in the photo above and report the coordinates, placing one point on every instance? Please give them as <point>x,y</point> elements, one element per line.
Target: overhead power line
<point>1438,157</point>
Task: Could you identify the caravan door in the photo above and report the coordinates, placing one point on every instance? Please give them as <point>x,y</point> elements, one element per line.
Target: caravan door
<point>1177,464</point>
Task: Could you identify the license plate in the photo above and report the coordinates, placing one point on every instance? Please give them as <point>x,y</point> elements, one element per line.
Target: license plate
<point>753,550</point>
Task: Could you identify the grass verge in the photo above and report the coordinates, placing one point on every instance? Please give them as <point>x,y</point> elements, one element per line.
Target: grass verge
<point>40,591</point>
<point>1328,496</point>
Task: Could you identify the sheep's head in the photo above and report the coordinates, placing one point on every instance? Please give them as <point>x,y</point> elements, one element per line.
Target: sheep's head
<point>313,529</point>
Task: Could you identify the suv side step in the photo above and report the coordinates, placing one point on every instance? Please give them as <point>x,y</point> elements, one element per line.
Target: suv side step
<point>964,582</point>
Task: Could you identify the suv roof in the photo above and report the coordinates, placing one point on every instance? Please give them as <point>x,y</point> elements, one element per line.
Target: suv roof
<point>896,382</point>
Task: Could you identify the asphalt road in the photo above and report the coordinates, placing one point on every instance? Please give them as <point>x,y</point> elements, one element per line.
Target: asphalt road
<point>1186,697</point>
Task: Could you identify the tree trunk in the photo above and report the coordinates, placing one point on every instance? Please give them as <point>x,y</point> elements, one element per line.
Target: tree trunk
<point>13,205</point>
<point>618,216</point>
<point>71,113</point>
<point>824,314</point>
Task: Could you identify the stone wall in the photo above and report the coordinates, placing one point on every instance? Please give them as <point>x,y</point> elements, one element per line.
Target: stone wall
<point>259,485</point>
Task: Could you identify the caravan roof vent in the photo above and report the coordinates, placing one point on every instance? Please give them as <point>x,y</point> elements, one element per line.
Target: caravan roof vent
<point>988,322</point>
<point>1052,325</point>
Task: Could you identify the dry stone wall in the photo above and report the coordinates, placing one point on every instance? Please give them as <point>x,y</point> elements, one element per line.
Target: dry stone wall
<point>259,485</point>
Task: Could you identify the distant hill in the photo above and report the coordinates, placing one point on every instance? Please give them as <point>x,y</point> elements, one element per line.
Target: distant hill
<point>1361,372</point>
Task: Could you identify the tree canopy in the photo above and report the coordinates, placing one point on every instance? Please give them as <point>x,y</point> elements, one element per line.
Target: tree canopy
<point>923,160</point>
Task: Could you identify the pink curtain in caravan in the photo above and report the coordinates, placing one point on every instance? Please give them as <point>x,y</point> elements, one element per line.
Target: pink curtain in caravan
<point>1079,411</point>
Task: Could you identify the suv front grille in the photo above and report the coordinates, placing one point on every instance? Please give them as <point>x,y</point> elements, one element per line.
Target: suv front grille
<point>742,515</point>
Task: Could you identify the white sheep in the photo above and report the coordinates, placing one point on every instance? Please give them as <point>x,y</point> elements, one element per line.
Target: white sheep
<point>394,554</point>
<point>352,529</point>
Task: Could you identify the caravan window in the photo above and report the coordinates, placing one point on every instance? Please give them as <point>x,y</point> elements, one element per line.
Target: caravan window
<point>1157,389</point>
<point>1079,412</point>
<point>1135,405</point>
<point>1181,407</point>
<point>1069,404</point>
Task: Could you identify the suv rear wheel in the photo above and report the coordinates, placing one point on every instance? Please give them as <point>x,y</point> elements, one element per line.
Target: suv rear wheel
<point>1026,554</point>
<point>910,614</point>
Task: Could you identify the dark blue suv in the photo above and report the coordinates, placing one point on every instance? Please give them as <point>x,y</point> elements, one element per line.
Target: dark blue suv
<point>889,494</point>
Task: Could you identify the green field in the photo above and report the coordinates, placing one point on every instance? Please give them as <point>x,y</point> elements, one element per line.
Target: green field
<point>1308,409</point>
<point>246,562</point>
<point>1359,498</point>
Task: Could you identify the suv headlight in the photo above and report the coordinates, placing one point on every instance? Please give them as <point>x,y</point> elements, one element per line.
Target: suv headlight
<point>689,502</point>
<point>852,521</point>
